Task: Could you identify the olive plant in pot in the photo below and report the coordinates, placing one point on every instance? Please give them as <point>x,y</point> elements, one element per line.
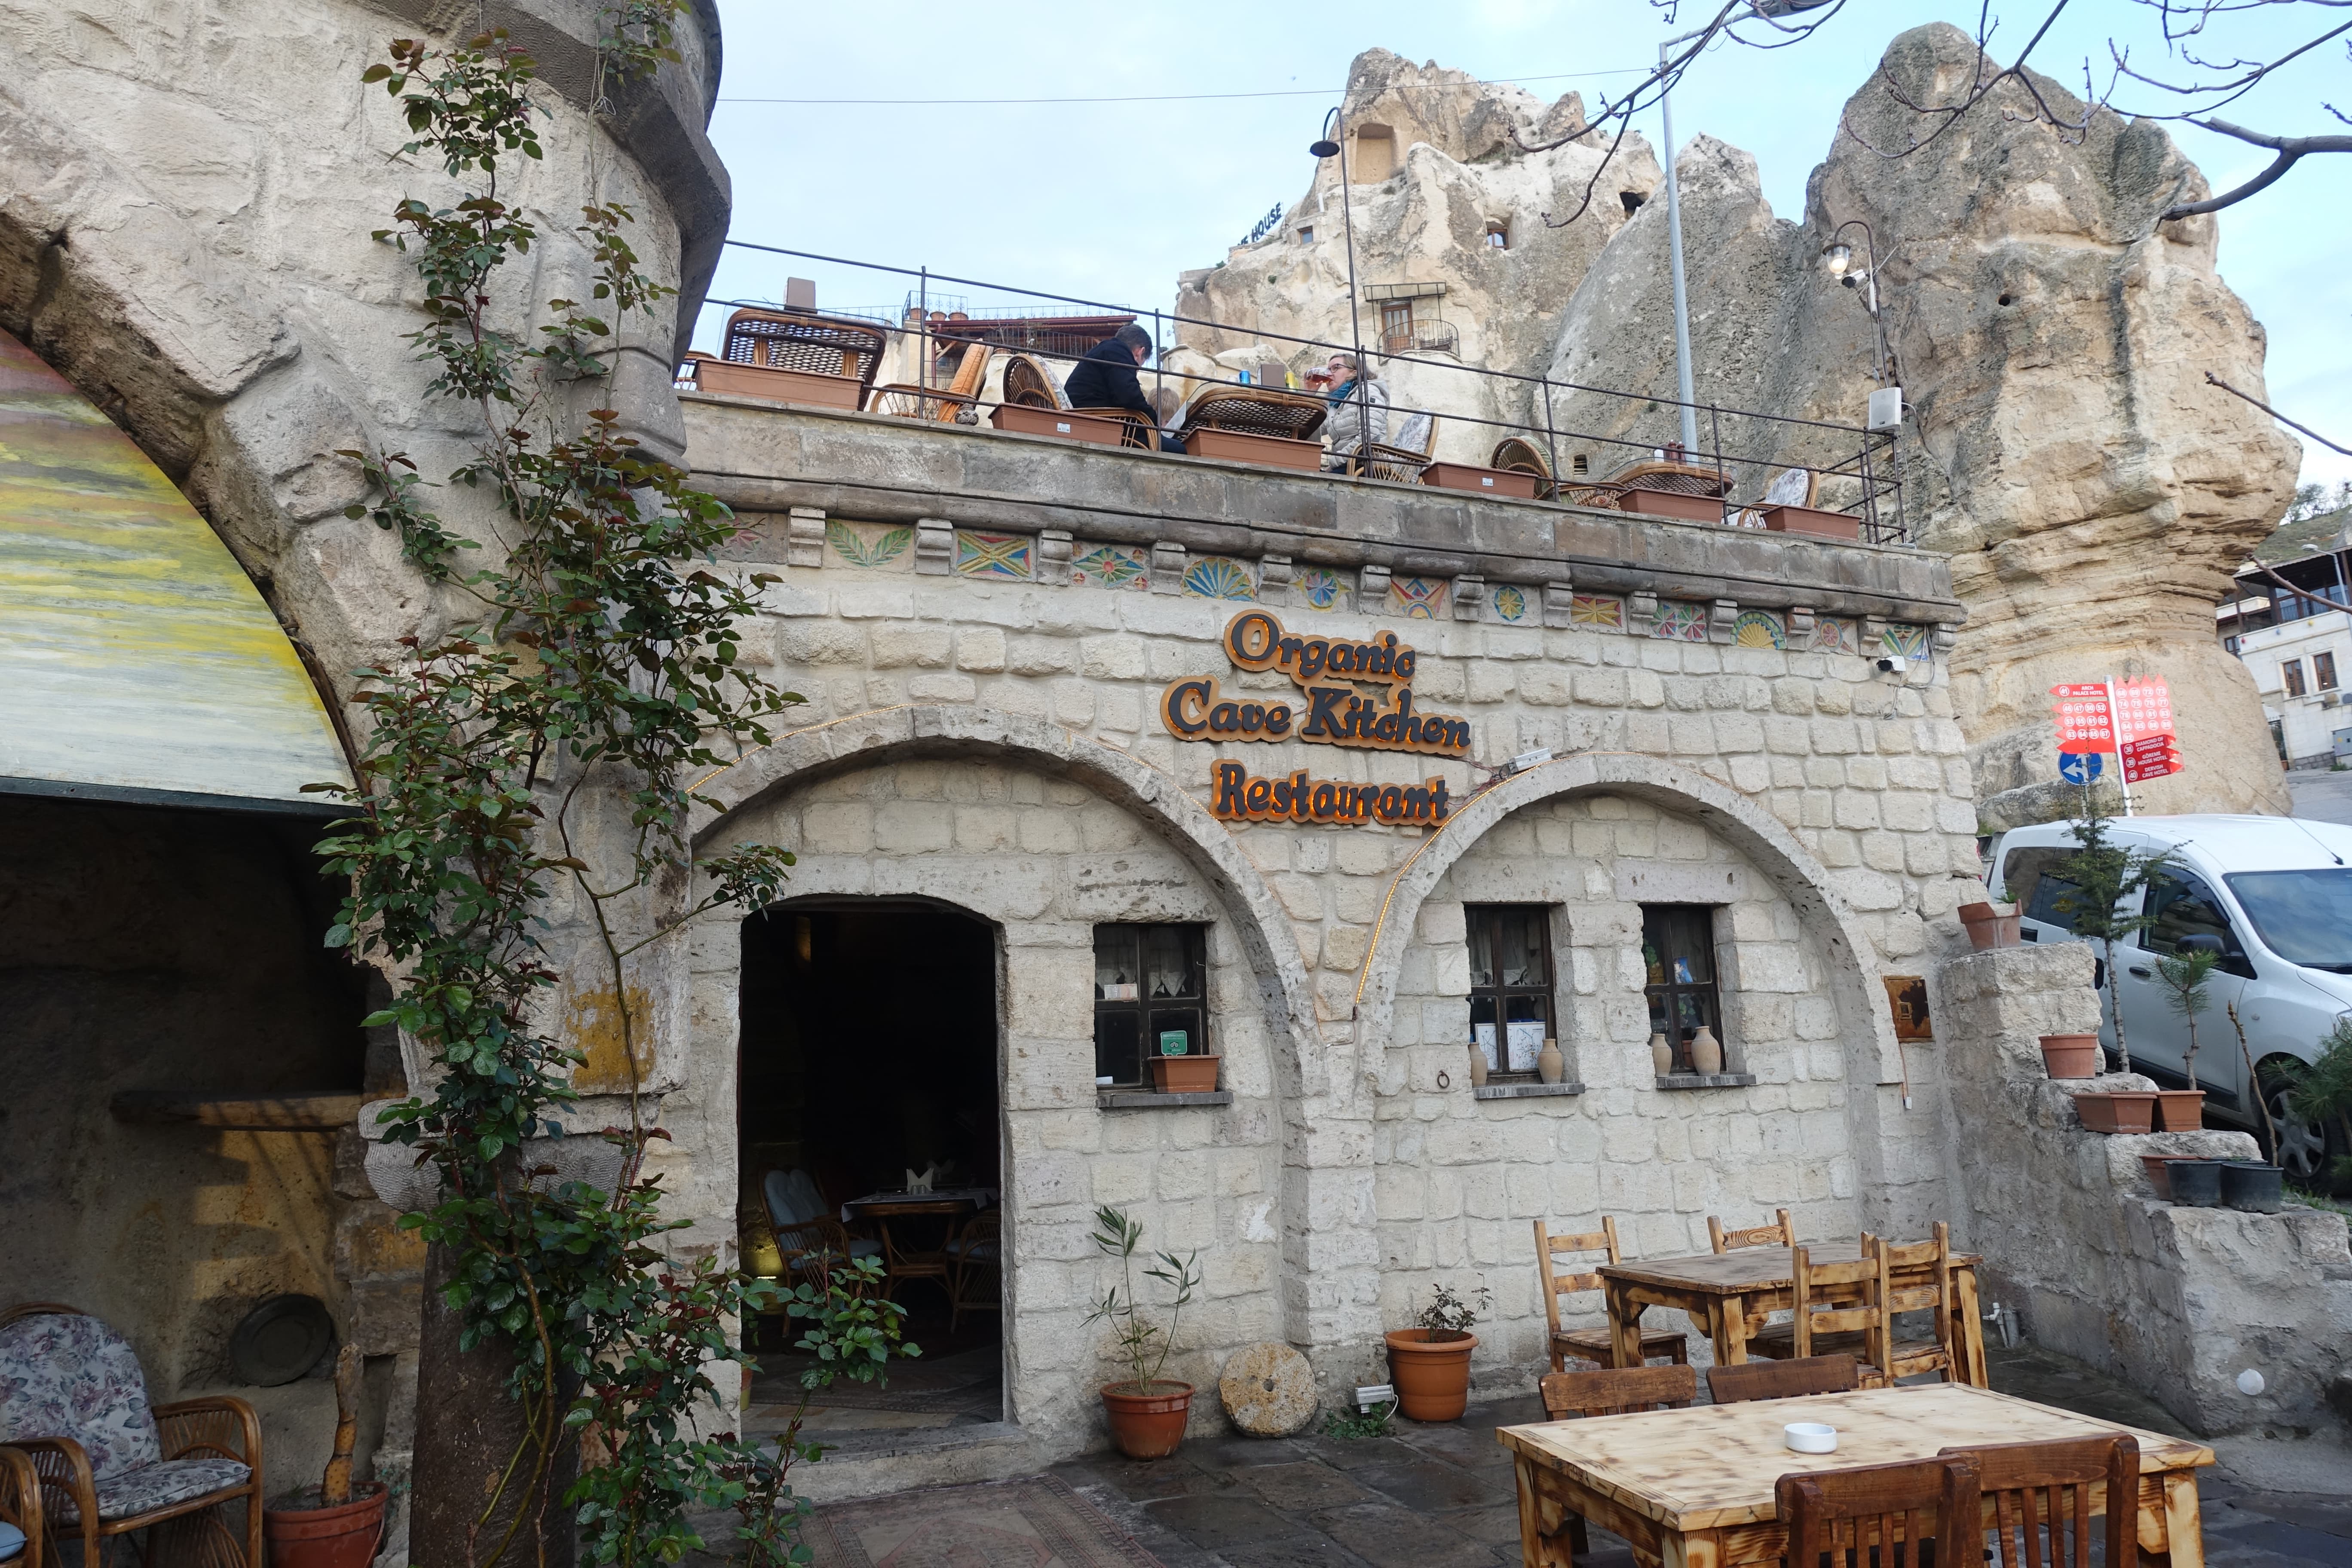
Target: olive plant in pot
<point>1430,1363</point>
<point>334,1524</point>
<point>1146,1412</point>
<point>2184,975</point>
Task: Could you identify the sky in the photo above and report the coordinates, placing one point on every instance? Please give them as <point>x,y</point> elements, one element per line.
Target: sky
<point>1109,201</point>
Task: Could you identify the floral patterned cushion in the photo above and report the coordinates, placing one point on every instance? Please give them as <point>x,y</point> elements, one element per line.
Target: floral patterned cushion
<point>65,1376</point>
<point>159,1485</point>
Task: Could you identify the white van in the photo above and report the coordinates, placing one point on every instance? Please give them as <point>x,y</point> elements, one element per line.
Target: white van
<point>2273,896</point>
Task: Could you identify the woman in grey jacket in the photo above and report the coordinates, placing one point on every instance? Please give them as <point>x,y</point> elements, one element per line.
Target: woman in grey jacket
<point>1351,416</point>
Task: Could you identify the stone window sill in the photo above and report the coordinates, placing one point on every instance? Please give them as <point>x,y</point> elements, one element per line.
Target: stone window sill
<point>1525,1090</point>
<point>1707,1079</point>
<point>1151,1099</point>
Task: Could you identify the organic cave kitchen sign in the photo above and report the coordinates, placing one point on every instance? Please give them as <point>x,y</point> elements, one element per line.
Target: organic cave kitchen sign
<point>1334,714</point>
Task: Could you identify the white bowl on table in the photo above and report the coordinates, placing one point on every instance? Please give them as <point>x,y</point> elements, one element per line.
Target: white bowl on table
<point>1809,1438</point>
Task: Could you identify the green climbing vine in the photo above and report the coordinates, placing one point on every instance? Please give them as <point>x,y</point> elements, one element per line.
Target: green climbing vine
<point>596,667</point>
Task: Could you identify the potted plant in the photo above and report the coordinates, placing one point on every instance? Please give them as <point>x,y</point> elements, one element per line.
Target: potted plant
<point>1146,1412</point>
<point>333,1524</point>
<point>2101,877</point>
<point>2117,1111</point>
<point>1190,1073</point>
<point>1987,927</point>
<point>1430,1363</point>
<point>2184,975</point>
<point>2070,1056</point>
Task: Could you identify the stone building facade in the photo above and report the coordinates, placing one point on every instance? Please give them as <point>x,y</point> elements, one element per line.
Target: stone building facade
<point>1002,642</point>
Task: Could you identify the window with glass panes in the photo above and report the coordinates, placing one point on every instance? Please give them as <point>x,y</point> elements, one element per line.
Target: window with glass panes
<point>1678,961</point>
<point>1150,998</point>
<point>1510,983</point>
<point>2323,671</point>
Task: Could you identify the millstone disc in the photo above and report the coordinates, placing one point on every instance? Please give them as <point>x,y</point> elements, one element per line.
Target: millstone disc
<point>1268,1390</point>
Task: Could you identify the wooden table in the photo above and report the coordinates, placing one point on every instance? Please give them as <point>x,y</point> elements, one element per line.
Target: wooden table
<point>1693,1488</point>
<point>1724,1291</point>
<point>881,1208</point>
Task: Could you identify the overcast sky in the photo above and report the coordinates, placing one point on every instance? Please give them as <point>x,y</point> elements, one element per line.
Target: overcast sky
<point>1110,200</point>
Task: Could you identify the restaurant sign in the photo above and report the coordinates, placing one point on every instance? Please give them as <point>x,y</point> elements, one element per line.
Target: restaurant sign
<point>1333,710</point>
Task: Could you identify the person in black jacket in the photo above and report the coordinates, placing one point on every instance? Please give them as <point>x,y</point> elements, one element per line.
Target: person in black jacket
<point>1106,378</point>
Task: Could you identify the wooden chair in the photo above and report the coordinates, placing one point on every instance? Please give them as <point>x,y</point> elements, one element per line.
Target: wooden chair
<point>1836,1308</point>
<point>945,405</point>
<point>1590,1345</point>
<point>106,1463</point>
<point>1616,1391</point>
<point>1919,1279</point>
<point>1517,455</point>
<point>20,1506</point>
<point>1029,385</point>
<point>1779,1234</point>
<point>977,1255</point>
<point>2038,1487</point>
<point>1877,1516</point>
<point>1141,433</point>
<point>1402,460</point>
<point>812,1244</point>
<point>1780,1379</point>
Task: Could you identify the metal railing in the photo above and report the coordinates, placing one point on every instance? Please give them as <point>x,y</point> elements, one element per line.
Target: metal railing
<point>1424,337</point>
<point>1852,469</point>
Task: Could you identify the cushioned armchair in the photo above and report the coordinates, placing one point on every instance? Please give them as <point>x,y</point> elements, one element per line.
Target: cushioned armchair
<point>20,1510</point>
<point>74,1403</point>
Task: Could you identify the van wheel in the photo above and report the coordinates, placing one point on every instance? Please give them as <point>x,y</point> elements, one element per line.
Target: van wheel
<point>2306,1150</point>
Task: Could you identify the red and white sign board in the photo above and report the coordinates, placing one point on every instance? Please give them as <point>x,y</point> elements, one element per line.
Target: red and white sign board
<point>2150,757</point>
<point>2132,718</point>
<point>2142,708</point>
<point>2083,722</point>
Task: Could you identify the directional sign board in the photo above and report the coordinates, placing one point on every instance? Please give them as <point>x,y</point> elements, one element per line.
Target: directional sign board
<point>2081,767</point>
<point>2085,723</point>
<point>2132,718</point>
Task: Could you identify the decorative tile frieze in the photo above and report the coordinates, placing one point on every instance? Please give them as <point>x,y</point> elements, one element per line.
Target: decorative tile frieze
<point>1005,556</point>
<point>1110,566</point>
<point>1321,589</point>
<point>1514,605</point>
<point>870,546</point>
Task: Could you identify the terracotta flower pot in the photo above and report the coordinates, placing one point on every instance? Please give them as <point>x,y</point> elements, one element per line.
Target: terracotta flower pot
<point>2179,1110</point>
<point>1184,1075</point>
<point>341,1537</point>
<point>1431,1376</point>
<point>2159,1178</point>
<point>2117,1111</point>
<point>2070,1056</point>
<point>1147,1424</point>
<point>1987,927</point>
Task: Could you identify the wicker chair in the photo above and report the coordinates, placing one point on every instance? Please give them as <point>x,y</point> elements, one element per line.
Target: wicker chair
<point>1669,474</point>
<point>1514,454</point>
<point>814,345</point>
<point>107,1463</point>
<point>977,1255</point>
<point>946,404</point>
<point>20,1510</point>
<point>1258,411</point>
<point>1029,385</point>
<point>1402,460</point>
<point>811,1243</point>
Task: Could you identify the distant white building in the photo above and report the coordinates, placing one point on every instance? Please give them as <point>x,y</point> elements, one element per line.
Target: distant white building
<point>2299,667</point>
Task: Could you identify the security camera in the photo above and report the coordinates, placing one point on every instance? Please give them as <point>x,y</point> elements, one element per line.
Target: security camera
<point>1894,664</point>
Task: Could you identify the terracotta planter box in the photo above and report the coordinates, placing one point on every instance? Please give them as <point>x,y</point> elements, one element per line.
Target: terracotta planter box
<point>1485,481</point>
<point>343,1536</point>
<point>1184,1075</point>
<point>2179,1110</point>
<point>2070,1056</point>
<point>1813,520</point>
<point>779,385</point>
<point>1147,1425</point>
<point>1987,927</point>
<point>2117,1111</point>
<point>1275,451</point>
<point>1022,420</point>
<point>1431,1378</point>
<point>1671,503</point>
<point>2159,1177</point>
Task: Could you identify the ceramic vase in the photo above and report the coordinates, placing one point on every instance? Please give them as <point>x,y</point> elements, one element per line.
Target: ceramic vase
<point>1550,1066</point>
<point>1661,1054</point>
<point>1706,1051</point>
<point>1478,1067</point>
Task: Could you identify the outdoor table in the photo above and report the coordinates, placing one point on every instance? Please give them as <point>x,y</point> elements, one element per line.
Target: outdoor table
<point>1723,1290</point>
<point>1692,1488</point>
<point>948,1207</point>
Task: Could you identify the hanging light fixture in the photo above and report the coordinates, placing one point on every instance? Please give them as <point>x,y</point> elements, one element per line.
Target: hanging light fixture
<point>1837,258</point>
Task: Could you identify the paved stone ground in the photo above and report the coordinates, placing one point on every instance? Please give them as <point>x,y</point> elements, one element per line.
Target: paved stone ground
<point>1442,1496</point>
<point>2321,795</point>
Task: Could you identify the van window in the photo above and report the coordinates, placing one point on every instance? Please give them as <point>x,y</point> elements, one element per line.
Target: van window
<point>2058,902</point>
<point>2183,906</point>
<point>2304,916</point>
<point>2021,871</point>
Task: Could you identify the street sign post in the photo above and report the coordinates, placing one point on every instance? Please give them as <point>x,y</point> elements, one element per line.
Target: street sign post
<point>2132,718</point>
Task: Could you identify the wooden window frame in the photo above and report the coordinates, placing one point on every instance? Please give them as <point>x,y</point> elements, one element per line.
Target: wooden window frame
<point>1664,996</point>
<point>1151,1014</point>
<point>2322,671</point>
<point>1499,996</point>
<point>2291,676</point>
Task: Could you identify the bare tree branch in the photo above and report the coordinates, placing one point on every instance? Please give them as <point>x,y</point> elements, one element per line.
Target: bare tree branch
<point>2215,381</point>
<point>2291,149</point>
<point>1981,89</point>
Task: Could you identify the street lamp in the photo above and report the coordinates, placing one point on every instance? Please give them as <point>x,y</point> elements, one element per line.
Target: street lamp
<point>1767,8</point>
<point>1332,143</point>
<point>1837,257</point>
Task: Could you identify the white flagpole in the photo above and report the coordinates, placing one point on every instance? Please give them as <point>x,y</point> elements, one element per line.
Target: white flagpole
<point>2116,723</point>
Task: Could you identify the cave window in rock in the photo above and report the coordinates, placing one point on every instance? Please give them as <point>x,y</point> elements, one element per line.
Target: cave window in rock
<point>1498,235</point>
<point>1307,235</point>
<point>1631,201</point>
<point>1375,155</point>
<point>1510,984</point>
<point>1580,464</point>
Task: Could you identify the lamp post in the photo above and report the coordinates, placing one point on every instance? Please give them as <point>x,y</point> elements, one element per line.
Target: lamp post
<point>1838,257</point>
<point>1675,213</point>
<point>1323,147</point>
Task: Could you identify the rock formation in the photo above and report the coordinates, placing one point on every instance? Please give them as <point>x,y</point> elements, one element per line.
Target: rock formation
<point>2050,338</point>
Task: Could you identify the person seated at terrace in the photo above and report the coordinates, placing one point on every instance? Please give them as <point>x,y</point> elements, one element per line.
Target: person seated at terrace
<point>1344,430</point>
<point>1106,378</point>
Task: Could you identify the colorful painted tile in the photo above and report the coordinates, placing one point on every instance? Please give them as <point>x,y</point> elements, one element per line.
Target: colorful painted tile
<point>1907,642</point>
<point>1417,598</point>
<point>1680,622</point>
<point>877,547</point>
<point>1596,610</point>
<point>1110,566</point>
<point>1832,634</point>
<point>1759,628</point>
<point>1321,589</point>
<point>1511,604</point>
<point>1218,577</point>
<point>1002,555</point>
